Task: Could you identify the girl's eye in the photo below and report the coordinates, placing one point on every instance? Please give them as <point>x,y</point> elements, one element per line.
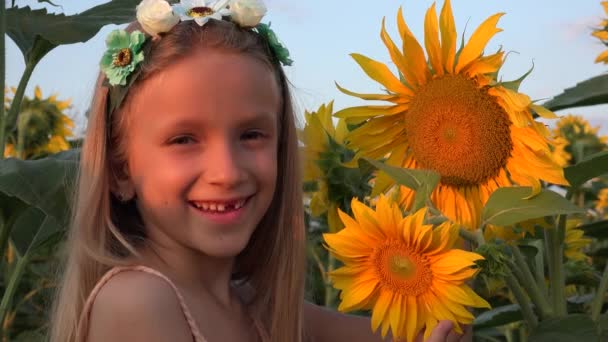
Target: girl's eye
<point>253,135</point>
<point>181,140</point>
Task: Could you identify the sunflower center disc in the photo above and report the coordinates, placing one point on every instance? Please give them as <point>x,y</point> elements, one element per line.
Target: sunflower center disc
<point>459,131</point>
<point>401,269</point>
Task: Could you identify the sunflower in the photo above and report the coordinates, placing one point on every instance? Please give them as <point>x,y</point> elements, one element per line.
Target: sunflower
<point>602,34</point>
<point>317,137</point>
<point>45,124</point>
<point>402,269</point>
<point>602,201</point>
<point>575,241</point>
<point>574,130</point>
<point>449,114</point>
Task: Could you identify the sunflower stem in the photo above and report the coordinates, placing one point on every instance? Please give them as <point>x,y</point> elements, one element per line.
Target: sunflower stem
<point>555,252</point>
<point>598,301</point>
<point>473,237</point>
<point>13,112</point>
<point>522,300</point>
<point>523,273</point>
<point>329,289</point>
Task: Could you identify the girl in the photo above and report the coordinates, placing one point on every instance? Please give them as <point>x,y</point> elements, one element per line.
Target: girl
<point>188,222</point>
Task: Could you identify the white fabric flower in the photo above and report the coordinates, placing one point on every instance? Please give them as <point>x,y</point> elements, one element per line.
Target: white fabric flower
<point>156,16</point>
<point>247,13</point>
<point>202,10</point>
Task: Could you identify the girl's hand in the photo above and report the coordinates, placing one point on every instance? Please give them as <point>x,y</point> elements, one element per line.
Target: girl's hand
<point>443,333</point>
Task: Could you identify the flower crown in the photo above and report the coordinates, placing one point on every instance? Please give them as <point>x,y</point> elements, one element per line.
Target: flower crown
<point>126,50</point>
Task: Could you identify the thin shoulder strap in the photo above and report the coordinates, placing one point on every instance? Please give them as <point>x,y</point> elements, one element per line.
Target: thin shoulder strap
<point>84,320</point>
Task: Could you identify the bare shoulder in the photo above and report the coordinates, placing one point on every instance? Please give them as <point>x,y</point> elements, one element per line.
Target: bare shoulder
<point>137,306</point>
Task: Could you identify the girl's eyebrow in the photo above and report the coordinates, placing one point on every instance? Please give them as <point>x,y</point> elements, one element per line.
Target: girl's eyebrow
<point>260,118</point>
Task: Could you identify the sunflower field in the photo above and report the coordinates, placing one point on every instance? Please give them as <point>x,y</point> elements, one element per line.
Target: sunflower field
<point>447,195</point>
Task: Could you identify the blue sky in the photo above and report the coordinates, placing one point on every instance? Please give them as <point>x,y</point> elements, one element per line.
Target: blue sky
<point>552,34</point>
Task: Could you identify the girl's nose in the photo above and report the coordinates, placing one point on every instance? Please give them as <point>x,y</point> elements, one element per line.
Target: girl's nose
<point>223,165</point>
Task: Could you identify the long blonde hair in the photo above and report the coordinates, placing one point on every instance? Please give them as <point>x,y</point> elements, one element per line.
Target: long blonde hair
<point>103,232</point>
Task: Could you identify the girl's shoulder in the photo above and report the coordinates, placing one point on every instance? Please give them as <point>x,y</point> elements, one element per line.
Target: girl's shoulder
<point>136,303</point>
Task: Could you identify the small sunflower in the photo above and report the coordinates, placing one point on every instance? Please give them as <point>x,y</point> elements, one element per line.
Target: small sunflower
<point>316,138</point>
<point>602,34</point>
<point>575,241</point>
<point>602,201</point>
<point>574,130</point>
<point>45,124</point>
<point>324,156</point>
<point>451,115</point>
<point>402,269</point>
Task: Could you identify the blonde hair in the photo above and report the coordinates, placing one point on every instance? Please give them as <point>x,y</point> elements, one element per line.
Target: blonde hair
<point>103,231</point>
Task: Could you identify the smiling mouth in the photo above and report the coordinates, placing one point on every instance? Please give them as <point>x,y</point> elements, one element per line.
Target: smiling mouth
<point>220,207</point>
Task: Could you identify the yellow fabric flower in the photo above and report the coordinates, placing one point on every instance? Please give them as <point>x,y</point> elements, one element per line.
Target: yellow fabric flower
<point>449,114</point>
<point>602,34</point>
<point>402,269</point>
<point>315,136</point>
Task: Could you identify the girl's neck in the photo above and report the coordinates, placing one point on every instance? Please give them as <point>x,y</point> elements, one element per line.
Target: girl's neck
<point>191,271</point>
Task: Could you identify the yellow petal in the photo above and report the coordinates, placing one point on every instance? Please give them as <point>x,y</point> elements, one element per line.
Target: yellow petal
<point>448,37</point>
<point>484,65</point>
<point>357,296</point>
<point>413,52</point>
<point>38,93</point>
<point>381,74</point>
<point>370,111</point>
<point>602,57</point>
<point>431,40</point>
<point>397,57</point>
<point>543,112</point>
<point>380,310</point>
<point>603,35</point>
<point>478,41</point>
<point>372,97</point>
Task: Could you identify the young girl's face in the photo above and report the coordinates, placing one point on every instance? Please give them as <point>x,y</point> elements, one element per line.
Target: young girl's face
<point>201,143</point>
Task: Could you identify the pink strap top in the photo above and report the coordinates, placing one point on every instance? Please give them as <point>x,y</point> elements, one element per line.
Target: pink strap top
<point>196,334</point>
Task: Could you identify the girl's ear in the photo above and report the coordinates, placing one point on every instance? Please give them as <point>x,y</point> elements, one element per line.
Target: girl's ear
<point>121,185</point>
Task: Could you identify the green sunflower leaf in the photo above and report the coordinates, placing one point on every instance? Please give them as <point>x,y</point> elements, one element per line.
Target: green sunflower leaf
<point>498,316</point>
<point>423,182</point>
<point>42,183</point>
<point>510,205</point>
<point>589,92</point>
<point>592,166</point>
<point>576,327</point>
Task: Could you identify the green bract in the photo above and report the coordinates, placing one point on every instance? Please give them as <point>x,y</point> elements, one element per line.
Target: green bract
<point>122,56</point>
<point>280,51</point>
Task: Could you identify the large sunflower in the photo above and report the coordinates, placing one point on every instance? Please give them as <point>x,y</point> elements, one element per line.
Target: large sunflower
<point>451,115</point>
<point>602,34</point>
<point>402,269</point>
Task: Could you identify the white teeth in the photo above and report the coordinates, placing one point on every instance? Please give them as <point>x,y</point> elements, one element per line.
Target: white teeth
<point>219,207</point>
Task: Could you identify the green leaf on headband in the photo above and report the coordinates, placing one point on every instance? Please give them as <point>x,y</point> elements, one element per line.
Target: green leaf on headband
<point>278,49</point>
